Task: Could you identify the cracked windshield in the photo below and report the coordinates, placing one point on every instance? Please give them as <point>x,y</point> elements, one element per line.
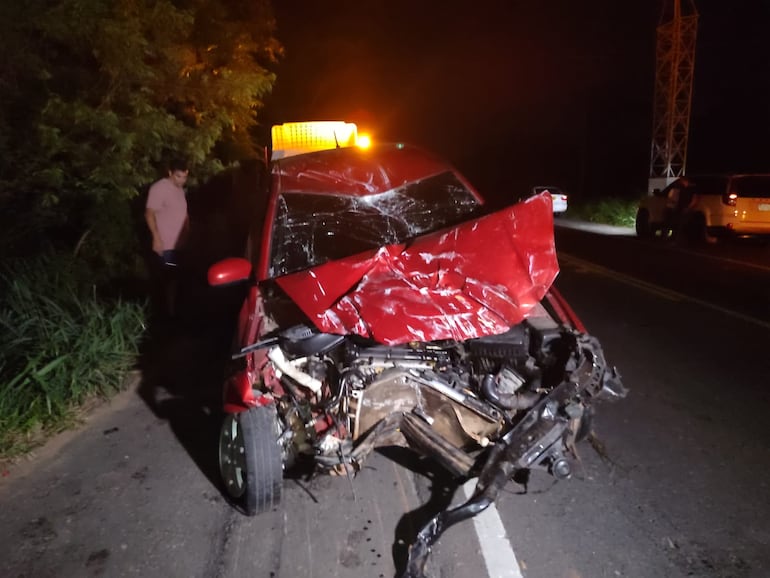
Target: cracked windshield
<point>312,229</point>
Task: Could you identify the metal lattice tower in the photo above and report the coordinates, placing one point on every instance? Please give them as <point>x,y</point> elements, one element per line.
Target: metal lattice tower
<point>675,67</point>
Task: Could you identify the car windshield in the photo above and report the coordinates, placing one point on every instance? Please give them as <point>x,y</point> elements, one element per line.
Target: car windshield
<point>311,229</point>
<point>752,186</point>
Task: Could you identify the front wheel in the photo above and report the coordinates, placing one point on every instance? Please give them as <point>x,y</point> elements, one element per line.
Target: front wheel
<point>250,460</point>
<point>696,231</point>
<point>643,228</point>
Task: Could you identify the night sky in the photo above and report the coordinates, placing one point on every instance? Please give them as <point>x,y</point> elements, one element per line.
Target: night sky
<point>519,93</point>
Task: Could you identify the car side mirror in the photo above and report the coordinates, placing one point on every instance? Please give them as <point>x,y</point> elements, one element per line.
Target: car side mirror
<point>229,272</point>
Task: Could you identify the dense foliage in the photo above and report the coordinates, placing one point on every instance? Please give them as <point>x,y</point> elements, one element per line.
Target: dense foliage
<point>609,211</point>
<point>95,97</point>
<point>96,94</point>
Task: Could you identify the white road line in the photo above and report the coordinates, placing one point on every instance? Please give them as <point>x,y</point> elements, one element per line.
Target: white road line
<point>581,265</point>
<point>731,261</point>
<point>657,290</point>
<point>495,546</point>
<point>684,250</point>
<point>611,230</point>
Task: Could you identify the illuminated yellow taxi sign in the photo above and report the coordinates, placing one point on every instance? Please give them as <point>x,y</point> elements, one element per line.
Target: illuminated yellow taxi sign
<point>296,138</point>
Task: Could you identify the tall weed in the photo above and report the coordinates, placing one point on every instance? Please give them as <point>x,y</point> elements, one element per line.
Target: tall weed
<point>608,211</point>
<point>60,344</point>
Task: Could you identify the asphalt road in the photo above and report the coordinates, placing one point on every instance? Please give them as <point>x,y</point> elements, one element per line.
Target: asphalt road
<point>680,491</point>
<point>677,488</point>
<point>733,275</point>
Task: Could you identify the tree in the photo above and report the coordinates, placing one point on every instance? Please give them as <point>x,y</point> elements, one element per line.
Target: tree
<point>111,88</point>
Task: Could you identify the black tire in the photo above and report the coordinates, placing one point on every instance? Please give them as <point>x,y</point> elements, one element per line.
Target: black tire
<point>250,460</point>
<point>642,224</point>
<point>695,230</point>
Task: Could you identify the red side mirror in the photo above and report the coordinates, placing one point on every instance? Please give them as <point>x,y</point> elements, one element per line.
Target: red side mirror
<point>228,271</point>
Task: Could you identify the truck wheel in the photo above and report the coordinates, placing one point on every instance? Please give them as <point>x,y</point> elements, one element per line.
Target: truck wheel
<point>250,460</point>
<point>696,231</point>
<point>642,224</point>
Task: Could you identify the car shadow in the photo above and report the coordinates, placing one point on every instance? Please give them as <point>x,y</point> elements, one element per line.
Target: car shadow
<point>183,363</point>
<point>442,488</point>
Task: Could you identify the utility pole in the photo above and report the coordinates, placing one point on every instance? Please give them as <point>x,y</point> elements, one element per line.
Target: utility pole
<point>674,71</point>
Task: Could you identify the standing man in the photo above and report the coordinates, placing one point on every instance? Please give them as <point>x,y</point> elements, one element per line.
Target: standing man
<point>167,219</point>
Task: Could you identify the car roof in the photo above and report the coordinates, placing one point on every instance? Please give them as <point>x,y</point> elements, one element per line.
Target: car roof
<point>352,171</point>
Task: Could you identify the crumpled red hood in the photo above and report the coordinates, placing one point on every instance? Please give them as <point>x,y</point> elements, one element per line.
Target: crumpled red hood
<point>479,278</point>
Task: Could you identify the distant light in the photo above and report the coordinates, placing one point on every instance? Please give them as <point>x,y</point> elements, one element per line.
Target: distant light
<point>400,145</point>
<point>364,141</point>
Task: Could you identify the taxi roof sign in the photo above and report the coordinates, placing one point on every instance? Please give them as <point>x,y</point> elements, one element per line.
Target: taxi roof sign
<point>296,138</point>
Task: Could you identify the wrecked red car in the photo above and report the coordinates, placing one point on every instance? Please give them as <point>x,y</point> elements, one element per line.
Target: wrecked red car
<point>385,308</point>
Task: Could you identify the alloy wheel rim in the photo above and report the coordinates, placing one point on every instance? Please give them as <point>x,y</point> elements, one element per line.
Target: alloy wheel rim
<point>232,456</point>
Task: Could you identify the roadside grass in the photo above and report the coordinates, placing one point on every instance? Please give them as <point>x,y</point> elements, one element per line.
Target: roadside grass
<point>620,212</point>
<point>61,345</point>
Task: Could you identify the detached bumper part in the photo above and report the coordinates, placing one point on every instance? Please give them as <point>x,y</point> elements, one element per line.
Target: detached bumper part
<point>536,440</point>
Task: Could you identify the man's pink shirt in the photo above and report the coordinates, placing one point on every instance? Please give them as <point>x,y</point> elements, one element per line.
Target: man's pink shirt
<point>169,204</point>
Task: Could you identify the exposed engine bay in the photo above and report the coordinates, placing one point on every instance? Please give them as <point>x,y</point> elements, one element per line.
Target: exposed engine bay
<point>487,407</point>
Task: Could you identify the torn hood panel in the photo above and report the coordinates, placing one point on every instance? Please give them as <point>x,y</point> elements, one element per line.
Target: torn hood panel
<point>479,278</point>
